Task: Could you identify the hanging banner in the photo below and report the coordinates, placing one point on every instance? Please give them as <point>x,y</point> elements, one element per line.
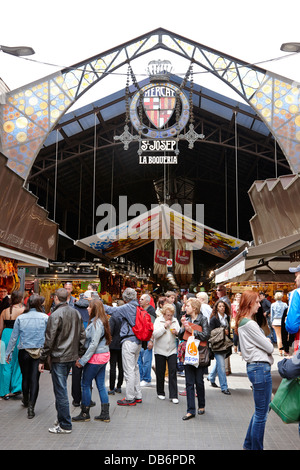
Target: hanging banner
<point>162,253</point>
<point>184,262</point>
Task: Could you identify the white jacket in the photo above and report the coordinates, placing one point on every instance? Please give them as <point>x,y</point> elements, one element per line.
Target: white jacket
<point>164,340</point>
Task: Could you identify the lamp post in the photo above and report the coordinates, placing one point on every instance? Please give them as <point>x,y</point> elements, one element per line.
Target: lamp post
<point>290,47</point>
<point>17,51</point>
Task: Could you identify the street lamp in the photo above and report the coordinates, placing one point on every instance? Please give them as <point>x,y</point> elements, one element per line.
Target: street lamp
<point>290,47</point>
<point>17,51</point>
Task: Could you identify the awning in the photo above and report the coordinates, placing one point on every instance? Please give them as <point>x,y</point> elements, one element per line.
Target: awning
<point>235,267</point>
<point>276,205</point>
<point>266,262</point>
<point>23,258</point>
<point>25,228</point>
<point>281,247</point>
<point>161,222</point>
<point>276,233</point>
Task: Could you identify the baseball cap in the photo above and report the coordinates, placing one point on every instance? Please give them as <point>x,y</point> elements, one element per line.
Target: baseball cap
<point>295,270</point>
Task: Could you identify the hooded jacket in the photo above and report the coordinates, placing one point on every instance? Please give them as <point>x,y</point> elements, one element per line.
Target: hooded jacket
<point>127,314</point>
<point>81,305</point>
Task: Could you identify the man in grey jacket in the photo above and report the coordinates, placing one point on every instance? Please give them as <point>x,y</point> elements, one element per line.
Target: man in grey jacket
<point>131,346</point>
<point>64,344</point>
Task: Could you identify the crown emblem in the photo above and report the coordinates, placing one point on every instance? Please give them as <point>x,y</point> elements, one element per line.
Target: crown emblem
<point>159,70</point>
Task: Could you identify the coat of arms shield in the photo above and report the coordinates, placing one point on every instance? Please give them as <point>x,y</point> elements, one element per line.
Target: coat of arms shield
<point>159,109</point>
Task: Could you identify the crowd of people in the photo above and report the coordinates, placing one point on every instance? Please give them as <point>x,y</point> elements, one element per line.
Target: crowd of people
<point>85,335</point>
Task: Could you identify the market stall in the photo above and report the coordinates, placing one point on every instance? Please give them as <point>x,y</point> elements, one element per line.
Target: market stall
<point>9,274</point>
<point>263,268</point>
<point>269,288</point>
<point>110,281</point>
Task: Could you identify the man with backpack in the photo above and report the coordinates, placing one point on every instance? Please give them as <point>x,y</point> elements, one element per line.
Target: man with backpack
<point>145,358</point>
<point>131,346</point>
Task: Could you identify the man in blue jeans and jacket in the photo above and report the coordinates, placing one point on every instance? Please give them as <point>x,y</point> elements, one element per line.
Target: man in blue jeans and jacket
<point>145,357</point>
<point>131,346</point>
<point>64,344</point>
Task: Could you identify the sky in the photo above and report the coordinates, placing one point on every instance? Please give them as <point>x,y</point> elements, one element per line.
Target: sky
<point>65,32</point>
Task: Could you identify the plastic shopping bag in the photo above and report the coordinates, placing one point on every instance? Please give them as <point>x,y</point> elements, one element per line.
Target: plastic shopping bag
<point>191,352</point>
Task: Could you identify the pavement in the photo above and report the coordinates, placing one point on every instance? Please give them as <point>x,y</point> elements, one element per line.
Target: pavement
<point>151,429</point>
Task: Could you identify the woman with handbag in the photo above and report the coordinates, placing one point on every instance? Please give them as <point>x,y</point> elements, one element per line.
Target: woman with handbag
<point>256,350</point>
<point>194,375</point>
<point>218,320</point>
<point>29,334</point>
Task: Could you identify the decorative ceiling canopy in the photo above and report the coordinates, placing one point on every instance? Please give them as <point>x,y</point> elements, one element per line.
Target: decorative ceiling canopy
<point>28,114</point>
<point>161,222</point>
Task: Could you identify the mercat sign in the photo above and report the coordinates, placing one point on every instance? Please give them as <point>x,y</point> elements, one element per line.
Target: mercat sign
<point>159,103</point>
<point>159,111</point>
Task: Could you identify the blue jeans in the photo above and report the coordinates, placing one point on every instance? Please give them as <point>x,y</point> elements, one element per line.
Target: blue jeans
<point>145,363</point>
<point>259,374</point>
<point>219,369</point>
<point>90,372</point>
<point>59,373</point>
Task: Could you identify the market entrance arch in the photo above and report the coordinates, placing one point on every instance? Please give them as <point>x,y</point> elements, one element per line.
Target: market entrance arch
<point>29,113</point>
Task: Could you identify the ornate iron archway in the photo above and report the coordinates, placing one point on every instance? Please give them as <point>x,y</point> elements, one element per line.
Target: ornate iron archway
<point>28,114</point>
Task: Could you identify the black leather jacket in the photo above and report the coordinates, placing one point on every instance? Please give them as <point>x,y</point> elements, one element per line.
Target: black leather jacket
<point>65,335</point>
<point>202,321</point>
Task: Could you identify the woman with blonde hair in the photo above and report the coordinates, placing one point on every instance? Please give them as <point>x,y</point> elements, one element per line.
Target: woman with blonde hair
<point>94,361</point>
<point>256,350</point>
<point>165,331</point>
<point>277,310</point>
<point>194,375</point>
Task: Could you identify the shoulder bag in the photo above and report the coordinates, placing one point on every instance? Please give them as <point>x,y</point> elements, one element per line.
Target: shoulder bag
<point>286,401</point>
<point>35,353</point>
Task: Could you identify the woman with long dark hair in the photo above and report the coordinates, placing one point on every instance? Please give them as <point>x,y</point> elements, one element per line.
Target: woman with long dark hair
<point>218,319</point>
<point>29,330</point>
<point>10,372</point>
<point>94,361</point>
<point>256,350</point>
